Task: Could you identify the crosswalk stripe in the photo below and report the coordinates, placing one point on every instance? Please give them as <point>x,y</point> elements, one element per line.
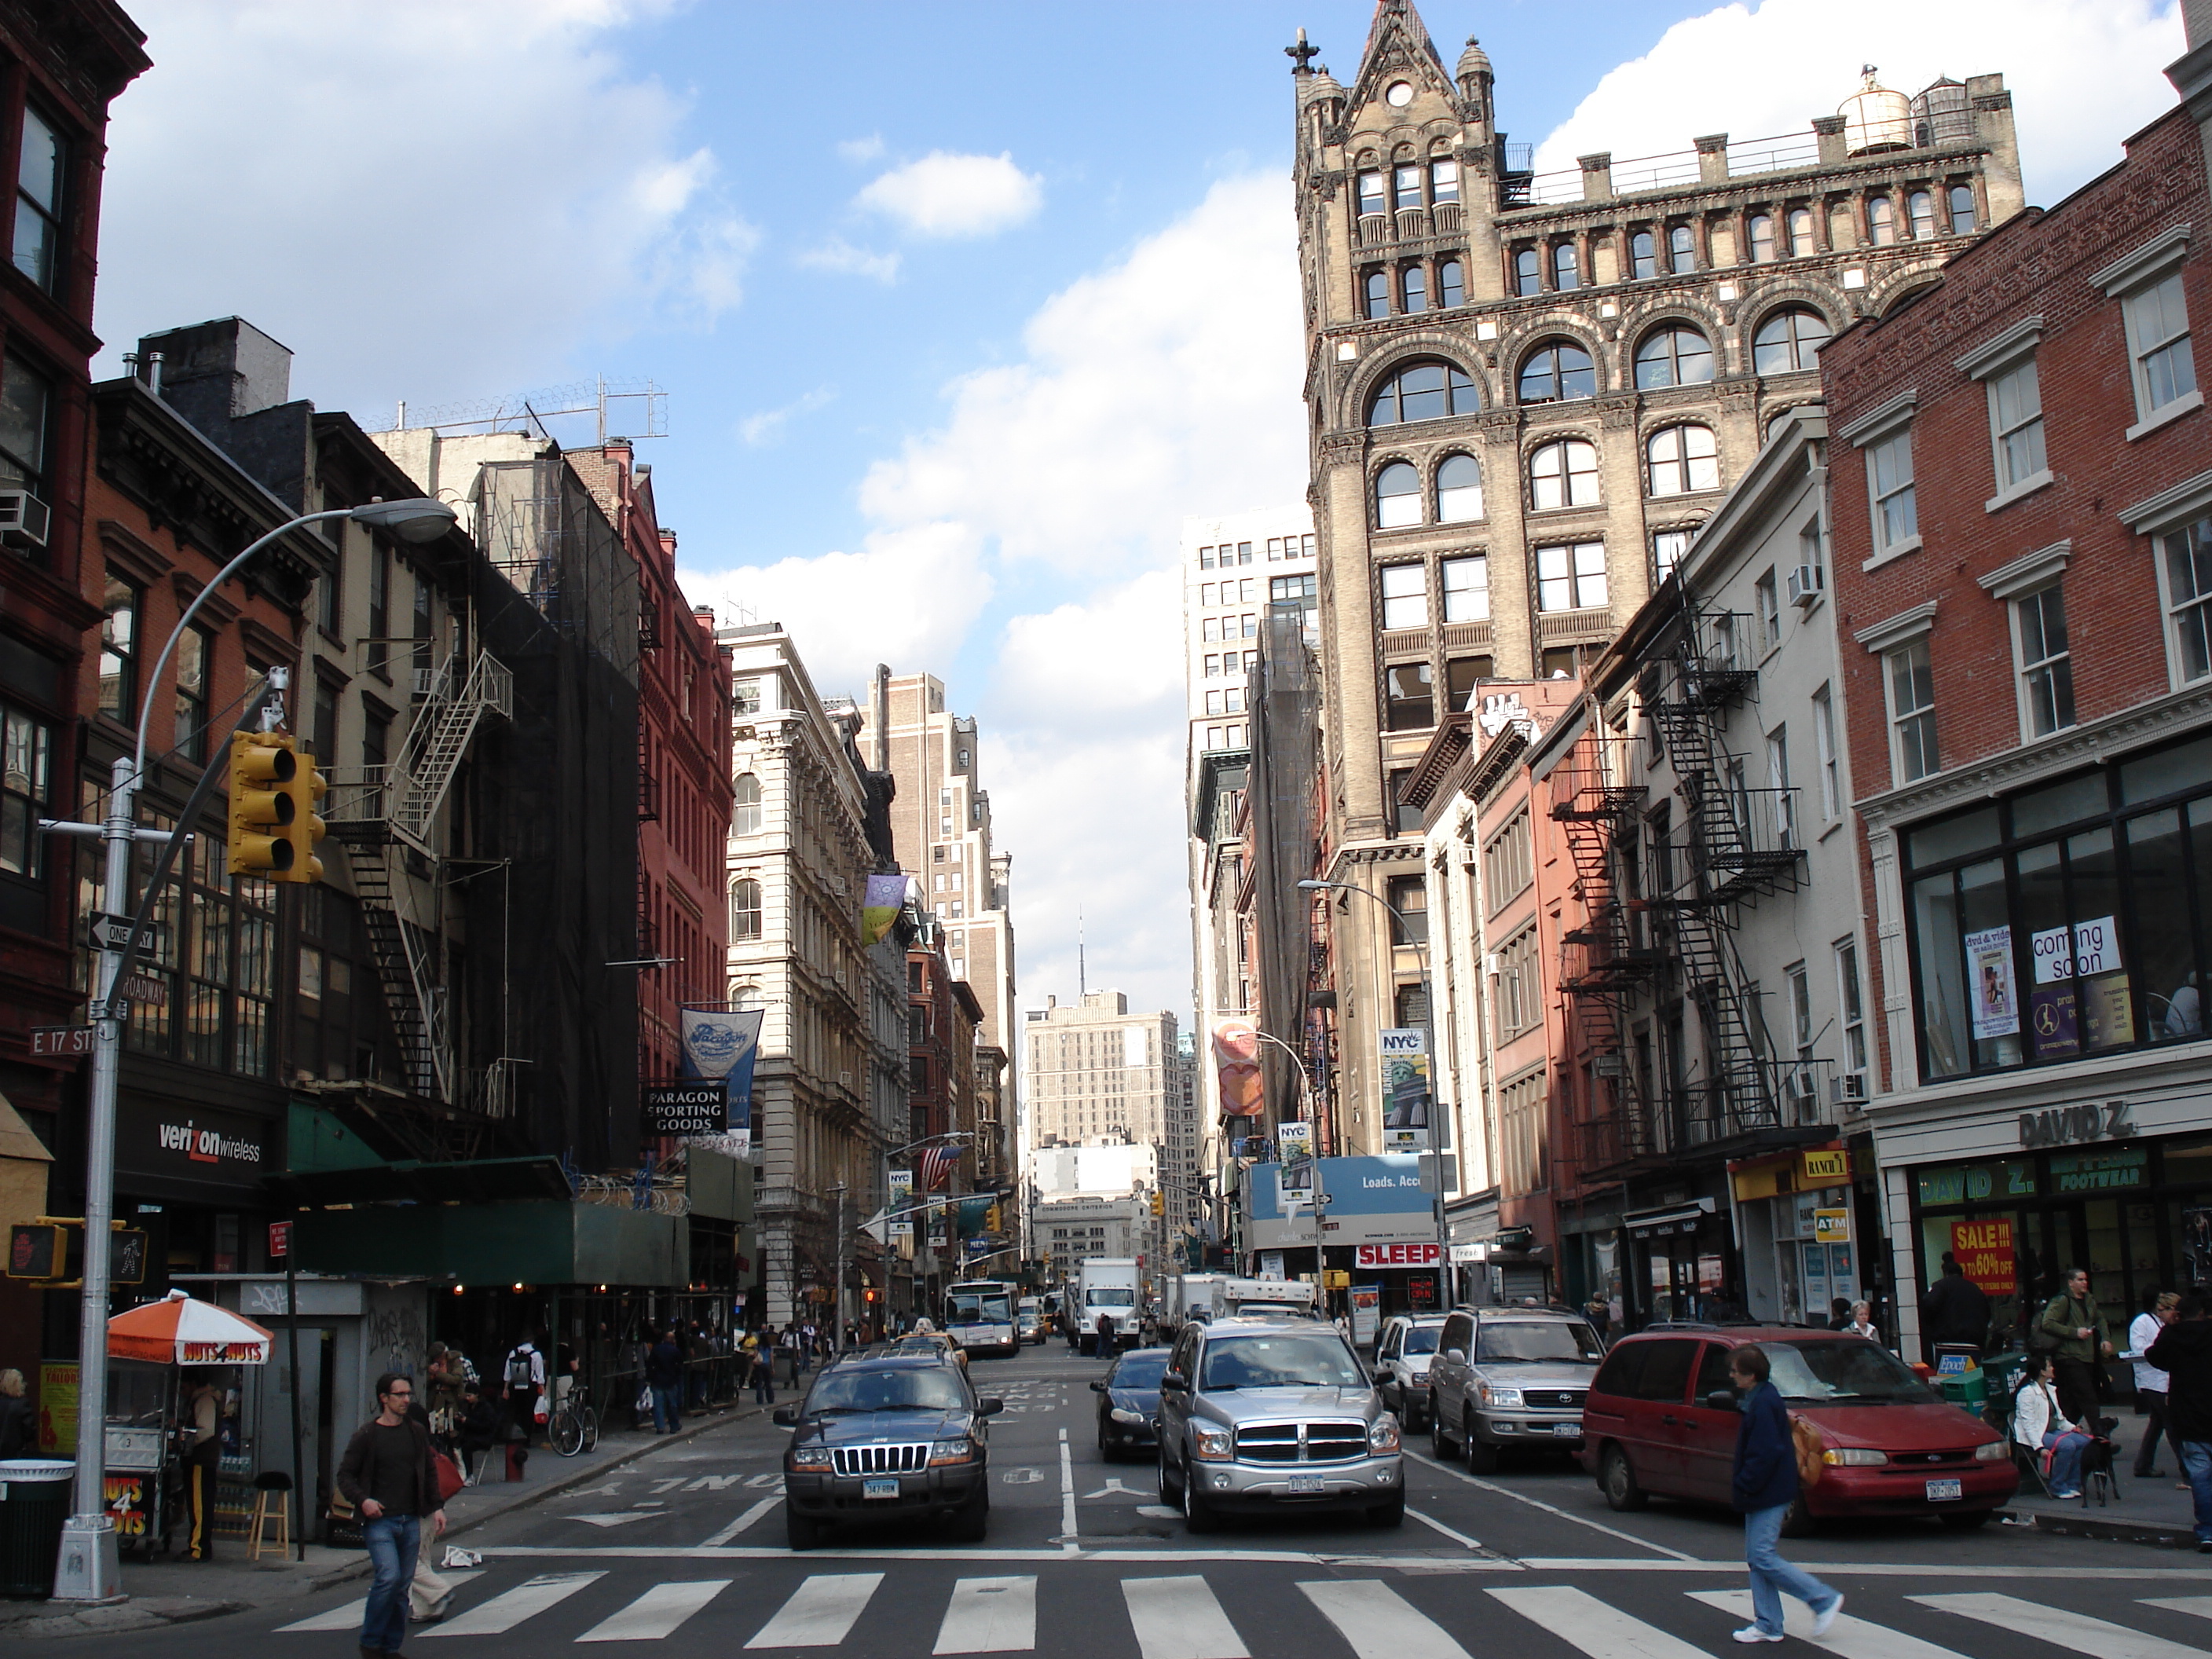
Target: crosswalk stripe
<point>1599,1630</point>
<point>1178,1617</point>
<point>1379,1623</point>
<point>349,1616</point>
<point>989,1616</point>
<point>2060,1626</point>
<point>2199,1605</point>
<point>1853,1638</point>
<point>820,1611</point>
<point>526,1600</point>
<point>658,1612</point>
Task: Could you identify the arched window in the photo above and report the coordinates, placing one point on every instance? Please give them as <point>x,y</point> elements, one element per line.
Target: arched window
<point>1679,460</point>
<point>1527,277</point>
<point>1562,474</point>
<point>1881,221</point>
<point>1451,284</point>
<point>1800,233</point>
<point>1370,193</point>
<point>744,909</point>
<point>1964,219</point>
<point>744,997</point>
<point>1920,212</point>
<point>1679,356</point>
<point>1459,491</point>
<point>1423,392</point>
<point>1378,284</point>
<point>1557,373</point>
<point>1642,256</point>
<point>1762,239</point>
<point>745,809</point>
<point>1789,339</point>
<point>1566,273</point>
<point>1397,496</point>
<point>1681,249</point>
<point>1413,283</point>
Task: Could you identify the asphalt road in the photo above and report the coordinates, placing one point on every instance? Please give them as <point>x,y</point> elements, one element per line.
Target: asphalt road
<point>685,1549</point>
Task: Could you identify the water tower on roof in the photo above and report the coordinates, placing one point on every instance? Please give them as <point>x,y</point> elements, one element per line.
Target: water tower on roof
<point>1942,114</point>
<point>1875,119</point>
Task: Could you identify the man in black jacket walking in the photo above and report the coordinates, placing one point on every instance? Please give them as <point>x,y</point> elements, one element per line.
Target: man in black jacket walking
<point>1955,1310</point>
<point>1764,1480</point>
<point>389,1476</point>
<point>2184,1352</point>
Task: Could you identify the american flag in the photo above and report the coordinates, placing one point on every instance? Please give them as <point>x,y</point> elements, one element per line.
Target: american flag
<point>933,1168</point>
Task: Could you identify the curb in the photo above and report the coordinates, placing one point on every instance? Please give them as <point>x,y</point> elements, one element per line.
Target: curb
<point>2179,1535</point>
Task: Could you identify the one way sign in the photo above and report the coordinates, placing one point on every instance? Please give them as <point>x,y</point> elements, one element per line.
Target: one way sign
<point>109,933</point>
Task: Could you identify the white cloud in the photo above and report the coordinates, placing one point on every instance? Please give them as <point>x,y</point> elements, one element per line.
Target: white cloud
<point>428,200</point>
<point>858,150</point>
<point>1096,661</point>
<point>765,428</point>
<point>840,256</point>
<point>947,195</point>
<point>2082,73</point>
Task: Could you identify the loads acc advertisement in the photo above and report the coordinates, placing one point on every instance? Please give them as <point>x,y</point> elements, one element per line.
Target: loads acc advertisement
<point>1372,1200</point>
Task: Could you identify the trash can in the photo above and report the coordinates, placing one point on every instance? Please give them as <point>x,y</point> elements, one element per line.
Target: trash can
<point>34,1501</point>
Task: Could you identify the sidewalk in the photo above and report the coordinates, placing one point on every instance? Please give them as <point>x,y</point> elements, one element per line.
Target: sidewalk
<point>171,1591</point>
<point>2148,1512</point>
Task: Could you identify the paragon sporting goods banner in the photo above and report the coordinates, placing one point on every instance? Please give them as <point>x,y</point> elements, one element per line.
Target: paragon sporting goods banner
<point>720,1044</point>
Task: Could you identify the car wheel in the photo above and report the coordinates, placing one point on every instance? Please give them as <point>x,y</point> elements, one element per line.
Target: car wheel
<point>1170,1497</point>
<point>1105,1446</point>
<point>1440,1443</point>
<point>800,1531</point>
<point>1419,1411</point>
<point>1481,1457</point>
<point>1618,1482</point>
<point>1966,1520</point>
<point>1392,1514</point>
<point>973,1519</point>
<point>1797,1521</point>
<point>1197,1515</point>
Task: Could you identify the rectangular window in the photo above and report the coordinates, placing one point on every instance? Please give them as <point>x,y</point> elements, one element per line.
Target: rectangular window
<point>1209,630</point>
<point>329,609</point>
<point>1251,629</point>
<point>325,732</point>
<point>1206,591</point>
<point>27,747</point>
<point>2047,672</point>
<point>195,663</point>
<point>1405,186</point>
<point>119,650</point>
<point>1824,742</point>
<point>27,400</point>
<point>1409,898</point>
<point>1889,484</point>
<point>1668,548</point>
<point>1409,699</point>
<point>41,175</point>
<point>1848,999</point>
<point>1799,982</point>
<point>1571,577</point>
<point>1371,198</point>
<point>375,739</point>
<point>1405,596</point>
<point>1777,780</point>
<point>1407,816</point>
<point>1462,675</point>
<point>1770,612</point>
<point>2016,425</point>
<point>1520,999</point>
<point>2158,343</point>
<point>1508,865</point>
<point>1911,711</point>
<point>2188,572</point>
<point>1443,181</point>
<point>1467,590</point>
<point>1205,558</point>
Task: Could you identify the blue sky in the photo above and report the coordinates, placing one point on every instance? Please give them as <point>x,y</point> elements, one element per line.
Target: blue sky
<point>960,308</point>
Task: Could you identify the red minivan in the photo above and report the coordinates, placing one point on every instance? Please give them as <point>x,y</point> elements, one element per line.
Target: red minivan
<point>1662,1419</point>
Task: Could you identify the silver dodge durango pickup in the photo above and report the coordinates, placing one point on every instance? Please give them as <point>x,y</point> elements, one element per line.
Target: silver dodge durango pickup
<point>1261,1416</point>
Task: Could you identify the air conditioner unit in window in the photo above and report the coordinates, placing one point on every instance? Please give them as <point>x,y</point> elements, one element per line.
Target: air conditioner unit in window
<point>22,519</point>
<point>1805,584</point>
<point>1843,1091</point>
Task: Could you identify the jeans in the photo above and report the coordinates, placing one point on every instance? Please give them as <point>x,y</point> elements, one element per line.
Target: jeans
<point>393,1541</point>
<point>764,1380</point>
<point>2197,1464</point>
<point>664,1402</point>
<point>1772,1576</point>
<point>2065,1461</point>
<point>2153,1400</point>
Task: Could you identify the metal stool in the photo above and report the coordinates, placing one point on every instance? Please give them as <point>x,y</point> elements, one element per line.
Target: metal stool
<point>272,1501</point>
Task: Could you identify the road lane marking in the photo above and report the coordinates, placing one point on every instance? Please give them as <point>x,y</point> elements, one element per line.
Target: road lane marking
<point>2060,1626</point>
<point>1066,1491</point>
<point>348,1617</point>
<point>1549,1509</point>
<point>1114,1486</point>
<point>741,1522</point>
<point>2199,1605</point>
<point>526,1600</point>
<point>1854,1639</point>
<point>1379,1623</point>
<point>1179,1617</point>
<point>820,1613</point>
<point>1456,1536</point>
<point>989,1616</point>
<point>656,1614</point>
<point>1576,1617</point>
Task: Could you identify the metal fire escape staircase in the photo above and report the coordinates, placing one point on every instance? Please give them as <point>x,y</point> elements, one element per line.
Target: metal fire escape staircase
<point>395,807</point>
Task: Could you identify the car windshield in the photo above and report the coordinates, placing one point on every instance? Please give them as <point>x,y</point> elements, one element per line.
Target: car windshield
<point>1847,1369</point>
<point>1422,1339</point>
<point>1110,1298</point>
<point>1141,1370</point>
<point>1284,1360</point>
<point>976,1308</point>
<point>905,1388</point>
<point>1538,1339</point>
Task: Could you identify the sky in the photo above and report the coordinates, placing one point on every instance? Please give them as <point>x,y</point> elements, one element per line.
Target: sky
<point>959,309</point>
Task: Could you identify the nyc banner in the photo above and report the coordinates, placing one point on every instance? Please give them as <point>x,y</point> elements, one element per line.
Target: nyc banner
<point>1405,1091</point>
<point>880,905</point>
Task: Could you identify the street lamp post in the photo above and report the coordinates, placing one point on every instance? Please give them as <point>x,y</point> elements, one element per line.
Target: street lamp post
<point>895,1152</point>
<point>1436,1158</point>
<point>87,1569</point>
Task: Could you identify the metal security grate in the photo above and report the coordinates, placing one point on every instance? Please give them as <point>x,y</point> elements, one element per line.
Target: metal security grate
<point>1301,1443</point>
<point>1535,1397</point>
<point>879,1459</point>
<point>1333,1443</point>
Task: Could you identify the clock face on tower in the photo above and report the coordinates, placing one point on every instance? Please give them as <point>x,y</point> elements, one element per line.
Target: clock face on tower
<point>1399,94</point>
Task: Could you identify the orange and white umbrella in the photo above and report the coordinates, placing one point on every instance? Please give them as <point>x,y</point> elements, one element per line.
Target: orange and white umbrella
<point>179,1331</point>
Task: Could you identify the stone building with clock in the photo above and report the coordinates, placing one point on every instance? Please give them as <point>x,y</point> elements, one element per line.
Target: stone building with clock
<point>1527,390</point>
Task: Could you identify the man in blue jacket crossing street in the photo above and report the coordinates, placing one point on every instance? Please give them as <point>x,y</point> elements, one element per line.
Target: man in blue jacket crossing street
<point>1765,1481</point>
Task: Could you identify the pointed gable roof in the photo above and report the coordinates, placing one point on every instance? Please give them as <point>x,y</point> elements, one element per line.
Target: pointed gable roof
<point>1398,44</point>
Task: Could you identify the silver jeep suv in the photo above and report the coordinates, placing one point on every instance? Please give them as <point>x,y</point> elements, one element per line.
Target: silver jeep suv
<point>1507,1377</point>
<point>1271,1416</point>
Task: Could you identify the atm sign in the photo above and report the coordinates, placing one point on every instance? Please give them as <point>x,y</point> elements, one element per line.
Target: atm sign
<point>1397,1255</point>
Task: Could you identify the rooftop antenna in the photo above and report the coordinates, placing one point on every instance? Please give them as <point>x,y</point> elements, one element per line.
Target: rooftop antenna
<point>1082,983</point>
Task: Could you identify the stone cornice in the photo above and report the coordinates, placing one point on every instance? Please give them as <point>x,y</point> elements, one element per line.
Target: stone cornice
<point>2028,572</point>
<point>1895,630</point>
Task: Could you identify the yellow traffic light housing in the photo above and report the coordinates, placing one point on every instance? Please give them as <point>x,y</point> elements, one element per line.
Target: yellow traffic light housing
<point>306,828</point>
<point>1159,1202</point>
<point>263,767</point>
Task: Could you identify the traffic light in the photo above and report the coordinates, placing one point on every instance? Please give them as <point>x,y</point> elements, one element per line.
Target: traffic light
<point>991,1220</point>
<point>273,796</point>
<point>307,790</point>
<point>1159,1201</point>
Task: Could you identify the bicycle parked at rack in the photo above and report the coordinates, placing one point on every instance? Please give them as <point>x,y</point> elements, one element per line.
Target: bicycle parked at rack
<point>575,1426</point>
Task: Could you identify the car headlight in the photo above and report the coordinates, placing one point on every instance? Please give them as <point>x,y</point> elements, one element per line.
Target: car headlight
<point>1210,1443</point>
<point>810,1460</point>
<point>1853,1456</point>
<point>1491,1395</point>
<point>1382,1434</point>
<point>1123,1414</point>
<point>961,1451</point>
<point>1992,1451</point>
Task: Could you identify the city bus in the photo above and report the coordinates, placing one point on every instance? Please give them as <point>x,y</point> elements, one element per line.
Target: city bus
<point>979,1315</point>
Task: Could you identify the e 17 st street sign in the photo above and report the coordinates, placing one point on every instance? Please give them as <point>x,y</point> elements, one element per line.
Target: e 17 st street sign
<point>60,1042</point>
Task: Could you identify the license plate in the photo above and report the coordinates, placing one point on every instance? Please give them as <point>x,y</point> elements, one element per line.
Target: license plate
<point>889,1488</point>
<point>1305,1483</point>
<point>1566,1431</point>
<point>1939,1491</point>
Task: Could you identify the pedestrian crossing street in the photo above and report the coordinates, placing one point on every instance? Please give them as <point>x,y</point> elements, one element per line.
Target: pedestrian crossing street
<point>1178,1616</point>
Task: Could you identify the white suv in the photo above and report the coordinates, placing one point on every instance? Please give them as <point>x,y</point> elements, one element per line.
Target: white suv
<point>1401,1366</point>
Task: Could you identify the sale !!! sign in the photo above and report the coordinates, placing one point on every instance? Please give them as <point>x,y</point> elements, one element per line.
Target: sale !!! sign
<point>1984,1250</point>
<point>1397,1255</point>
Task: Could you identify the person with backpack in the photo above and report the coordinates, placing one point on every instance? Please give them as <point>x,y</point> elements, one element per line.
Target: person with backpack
<point>2072,1332</point>
<point>523,1375</point>
<point>664,1375</point>
<point>1764,1482</point>
<point>390,1478</point>
<point>760,1344</point>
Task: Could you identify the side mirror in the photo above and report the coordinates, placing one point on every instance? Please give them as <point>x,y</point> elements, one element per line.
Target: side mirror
<point>1722,1399</point>
<point>1097,1386</point>
<point>1175,1380</point>
<point>1455,1356</point>
<point>989,1405</point>
<point>785,1417</point>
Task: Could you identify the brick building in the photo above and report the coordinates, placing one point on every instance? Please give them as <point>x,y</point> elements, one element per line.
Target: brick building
<point>2022,481</point>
